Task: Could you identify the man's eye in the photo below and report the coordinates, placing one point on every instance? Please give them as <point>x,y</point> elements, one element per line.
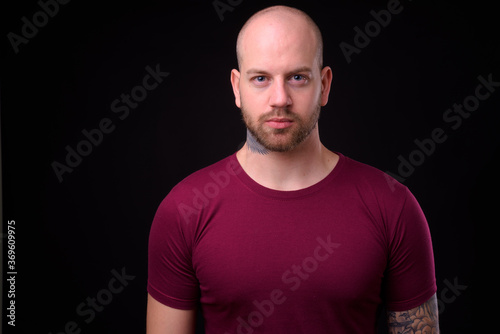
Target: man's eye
<point>260,80</point>
<point>298,77</point>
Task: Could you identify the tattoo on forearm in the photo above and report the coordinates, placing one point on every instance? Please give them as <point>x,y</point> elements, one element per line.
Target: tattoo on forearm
<point>422,319</point>
<point>254,145</point>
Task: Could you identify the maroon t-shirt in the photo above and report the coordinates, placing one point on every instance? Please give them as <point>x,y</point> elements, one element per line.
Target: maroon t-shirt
<point>316,260</point>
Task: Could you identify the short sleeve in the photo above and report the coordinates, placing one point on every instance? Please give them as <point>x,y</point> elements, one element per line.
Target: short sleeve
<point>410,279</point>
<point>171,278</point>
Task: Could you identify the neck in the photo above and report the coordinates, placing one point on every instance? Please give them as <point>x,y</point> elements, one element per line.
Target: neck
<point>302,167</point>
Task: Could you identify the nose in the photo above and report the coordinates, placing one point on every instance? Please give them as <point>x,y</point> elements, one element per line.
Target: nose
<point>279,97</point>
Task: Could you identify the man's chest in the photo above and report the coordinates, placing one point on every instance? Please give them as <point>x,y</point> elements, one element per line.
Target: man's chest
<point>297,253</point>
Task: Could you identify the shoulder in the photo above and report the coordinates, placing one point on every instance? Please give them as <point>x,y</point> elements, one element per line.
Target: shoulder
<point>369,177</point>
<point>384,196</point>
<point>218,175</point>
<point>195,190</point>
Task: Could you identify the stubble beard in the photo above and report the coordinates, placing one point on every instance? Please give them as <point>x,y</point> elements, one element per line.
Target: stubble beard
<point>281,140</point>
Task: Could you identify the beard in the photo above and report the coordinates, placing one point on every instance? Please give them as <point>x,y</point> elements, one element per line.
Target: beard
<point>281,140</point>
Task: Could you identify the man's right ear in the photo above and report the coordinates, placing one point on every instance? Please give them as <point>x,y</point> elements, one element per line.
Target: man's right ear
<point>235,82</point>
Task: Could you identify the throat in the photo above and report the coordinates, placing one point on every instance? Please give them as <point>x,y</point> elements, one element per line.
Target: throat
<point>301,168</point>
<point>254,145</point>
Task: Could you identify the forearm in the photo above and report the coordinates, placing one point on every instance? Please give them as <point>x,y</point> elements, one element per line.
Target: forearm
<point>422,319</point>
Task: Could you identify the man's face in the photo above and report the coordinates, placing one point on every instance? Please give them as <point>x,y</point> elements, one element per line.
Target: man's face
<point>279,86</point>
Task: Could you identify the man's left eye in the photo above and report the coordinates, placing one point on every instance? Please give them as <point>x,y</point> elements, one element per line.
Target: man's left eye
<point>298,77</point>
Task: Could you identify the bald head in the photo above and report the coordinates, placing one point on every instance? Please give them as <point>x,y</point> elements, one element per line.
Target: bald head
<point>277,24</point>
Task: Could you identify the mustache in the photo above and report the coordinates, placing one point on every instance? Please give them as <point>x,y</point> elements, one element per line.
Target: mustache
<point>279,112</point>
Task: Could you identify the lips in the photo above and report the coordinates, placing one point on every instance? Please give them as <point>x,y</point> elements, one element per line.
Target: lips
<point>279,122</point>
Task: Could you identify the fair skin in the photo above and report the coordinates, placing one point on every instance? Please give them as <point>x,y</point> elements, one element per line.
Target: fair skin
<point>162,319</point>
<point>279,70</point>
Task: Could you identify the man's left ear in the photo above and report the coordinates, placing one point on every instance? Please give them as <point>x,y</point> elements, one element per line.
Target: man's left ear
<point>326,81</point>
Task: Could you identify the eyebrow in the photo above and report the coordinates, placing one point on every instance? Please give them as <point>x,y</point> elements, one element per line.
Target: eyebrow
<point>297,70</point>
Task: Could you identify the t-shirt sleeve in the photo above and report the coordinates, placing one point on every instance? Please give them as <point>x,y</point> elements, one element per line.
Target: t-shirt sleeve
<point>171,277</point>
<point>410,277</point>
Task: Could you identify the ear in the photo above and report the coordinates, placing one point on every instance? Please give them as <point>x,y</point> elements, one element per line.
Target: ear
<point>235,82</point>
<point>326,81</point>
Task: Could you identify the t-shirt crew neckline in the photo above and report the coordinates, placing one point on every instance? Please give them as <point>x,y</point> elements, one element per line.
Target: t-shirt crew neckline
<point>285,194</point>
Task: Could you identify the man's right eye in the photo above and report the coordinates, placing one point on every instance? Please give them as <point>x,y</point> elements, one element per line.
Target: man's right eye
<point>259,79</point>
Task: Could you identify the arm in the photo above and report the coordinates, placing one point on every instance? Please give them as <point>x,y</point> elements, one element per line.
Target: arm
<point>162,319</point>
<point>422,319</point>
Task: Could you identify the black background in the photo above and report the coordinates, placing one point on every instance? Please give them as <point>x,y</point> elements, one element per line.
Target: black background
<point>70,235</point>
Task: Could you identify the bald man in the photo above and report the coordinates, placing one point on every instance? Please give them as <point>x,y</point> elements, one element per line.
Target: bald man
<point>284,235</point>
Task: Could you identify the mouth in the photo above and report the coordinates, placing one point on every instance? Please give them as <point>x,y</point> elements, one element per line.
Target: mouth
<point>279,122</point>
